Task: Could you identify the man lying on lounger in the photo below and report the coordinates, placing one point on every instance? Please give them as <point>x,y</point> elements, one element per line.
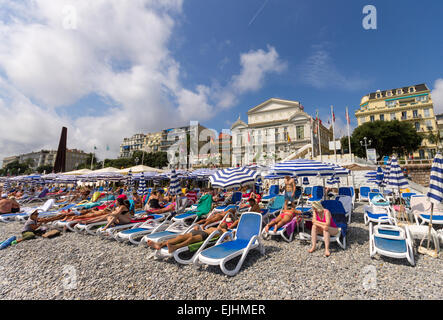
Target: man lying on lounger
<point>196,235</point>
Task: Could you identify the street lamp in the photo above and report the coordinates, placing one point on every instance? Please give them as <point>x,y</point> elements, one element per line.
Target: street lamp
<point>366,144</point>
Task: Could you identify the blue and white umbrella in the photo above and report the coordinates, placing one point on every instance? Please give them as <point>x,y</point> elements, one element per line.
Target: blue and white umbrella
<point>233,177</point>
<point>396,178</point>
<point>174,185</point>
<point>386,171</point>
<point>333,180</point>
<point>435,192</point>
<point>305,181</point>
<point>380,176</point>
<point>258,185</point>
<point>130,182</point>
<point>142,190</point>
<point>303,168</point>
<point>6,186</point>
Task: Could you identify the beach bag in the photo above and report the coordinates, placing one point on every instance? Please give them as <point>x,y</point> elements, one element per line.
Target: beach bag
<point>51,234</point>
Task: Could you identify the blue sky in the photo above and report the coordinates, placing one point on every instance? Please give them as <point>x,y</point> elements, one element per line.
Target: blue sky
<point>109,68</point>
<point>406,48</point>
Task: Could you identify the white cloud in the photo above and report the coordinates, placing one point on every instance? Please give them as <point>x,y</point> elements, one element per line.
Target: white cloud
<point>255,65</point>
<point>117,50</point>
<point>437,96</point>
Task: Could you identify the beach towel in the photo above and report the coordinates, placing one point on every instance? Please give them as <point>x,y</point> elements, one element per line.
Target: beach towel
<point>204,205</point>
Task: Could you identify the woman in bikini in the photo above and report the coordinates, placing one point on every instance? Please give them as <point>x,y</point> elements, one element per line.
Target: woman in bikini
<point>285,216</point>
<point>122,215</point>
<point>322,223</point>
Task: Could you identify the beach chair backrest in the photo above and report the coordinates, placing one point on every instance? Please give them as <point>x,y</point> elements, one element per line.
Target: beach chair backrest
<point>364,191</point>
<point>236,197</point>
<point>334,206</point>
<point>345,191</point>
<point>297,193</point>
<point>317,192</point>
<point>308,190</point>
<point>274,190</point>
<point>249,225</point>
<point>278,202</point>
<point>374,194</point>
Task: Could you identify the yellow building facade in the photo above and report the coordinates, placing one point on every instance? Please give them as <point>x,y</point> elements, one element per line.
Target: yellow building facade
<point>412,104</point>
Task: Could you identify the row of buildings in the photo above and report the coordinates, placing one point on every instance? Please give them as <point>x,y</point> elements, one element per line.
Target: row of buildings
<point>279,129</point>
<point>275,130</point>
<point>41,158</point>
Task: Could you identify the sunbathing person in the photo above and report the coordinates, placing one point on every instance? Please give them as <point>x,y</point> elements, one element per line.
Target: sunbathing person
<point>9,205</point>
<point>252,205</point>
<point>183,240</point>
<point>215,218</point>
<point>138,202</point>
<point>169,208</point>
<point>153,201</point>
<point>322,223</point>
<point>123,214</point>
<point>285,216</point>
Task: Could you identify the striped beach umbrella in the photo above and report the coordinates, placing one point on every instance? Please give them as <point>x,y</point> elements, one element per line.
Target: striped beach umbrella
<point>386,171</point>
<point>233,177</point>
<point>302,168</point>
<point>174,185</point>
<point>380,176</point>
<point>333,180</point>
<point>142,190</point>
<point>259,185</point>
<point>6,186</point>
<point>396,178</point>
<point>435,193</point>
<point>130,181</point>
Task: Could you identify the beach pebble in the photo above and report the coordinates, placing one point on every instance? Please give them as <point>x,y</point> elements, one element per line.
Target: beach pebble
<point>75,266</point>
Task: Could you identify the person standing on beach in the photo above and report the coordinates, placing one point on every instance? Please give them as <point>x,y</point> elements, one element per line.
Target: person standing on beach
<point>289,190</point>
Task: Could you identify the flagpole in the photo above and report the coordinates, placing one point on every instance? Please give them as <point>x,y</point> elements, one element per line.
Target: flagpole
<point>312,137</point>
<point>92,158</point>
<point>319,139</point>
<point>333,132</point>
<point>349,133</point>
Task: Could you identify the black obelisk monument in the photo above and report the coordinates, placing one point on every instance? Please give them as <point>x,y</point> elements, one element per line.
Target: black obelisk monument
<point>60,160</point>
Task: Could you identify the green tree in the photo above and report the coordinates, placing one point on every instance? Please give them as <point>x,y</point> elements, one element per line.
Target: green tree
<point>87,163</point>
<point>45,168</point>
<point>387,137</point>
<point>16,168</point>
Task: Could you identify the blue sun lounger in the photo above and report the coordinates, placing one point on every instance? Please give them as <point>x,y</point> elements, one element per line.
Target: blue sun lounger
<point>246,238</point>
<point>274,190</point>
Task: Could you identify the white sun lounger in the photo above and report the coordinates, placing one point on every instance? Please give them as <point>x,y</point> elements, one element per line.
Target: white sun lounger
<point>391,241</point>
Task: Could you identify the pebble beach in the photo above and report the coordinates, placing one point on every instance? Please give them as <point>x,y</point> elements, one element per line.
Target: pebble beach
<point>105,269</point>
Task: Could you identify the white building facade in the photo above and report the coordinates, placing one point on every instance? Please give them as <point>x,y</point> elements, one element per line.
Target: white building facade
<point>276,129</point>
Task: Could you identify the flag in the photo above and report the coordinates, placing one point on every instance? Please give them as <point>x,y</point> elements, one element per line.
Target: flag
<point>347,116</point>
<point>289,139</point>
<point>333,115</point>
<point>249,137</point>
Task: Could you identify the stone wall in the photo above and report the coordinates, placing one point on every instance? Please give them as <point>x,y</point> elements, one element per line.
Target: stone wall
<point>419,173</point>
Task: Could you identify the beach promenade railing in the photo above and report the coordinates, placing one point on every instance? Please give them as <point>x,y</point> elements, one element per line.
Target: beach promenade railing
<point>410,162</point>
